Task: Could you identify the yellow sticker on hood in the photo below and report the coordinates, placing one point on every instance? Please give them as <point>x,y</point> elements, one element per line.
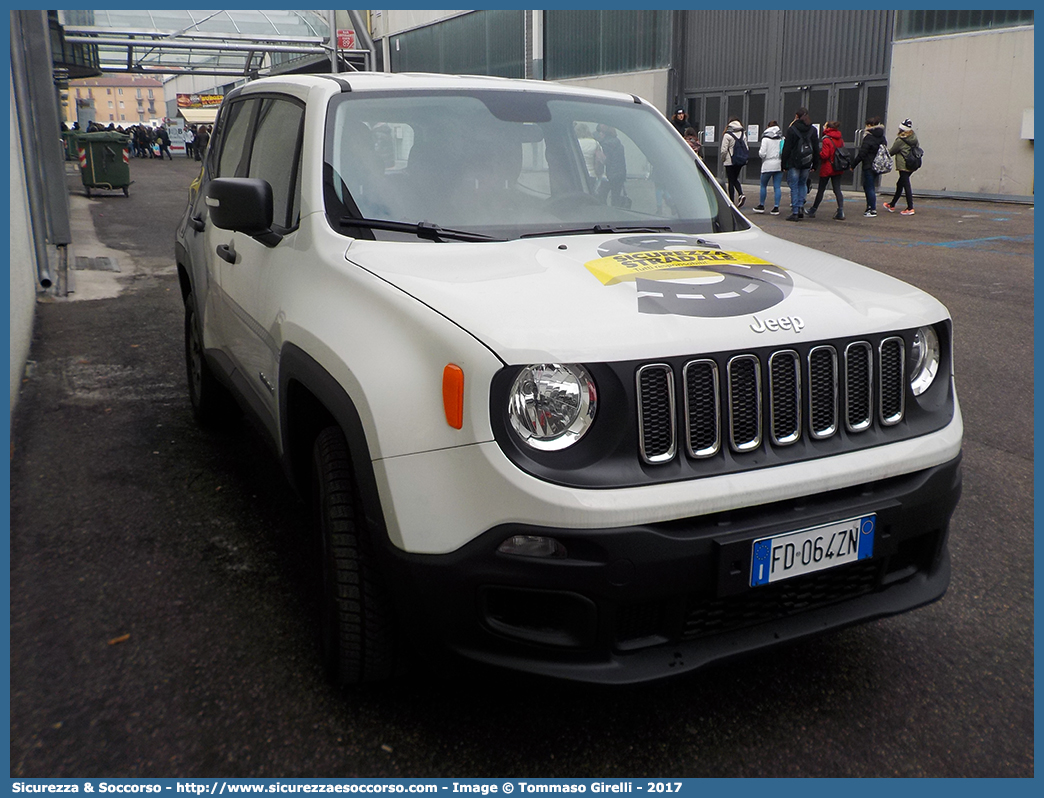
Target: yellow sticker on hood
<point>627,266</point>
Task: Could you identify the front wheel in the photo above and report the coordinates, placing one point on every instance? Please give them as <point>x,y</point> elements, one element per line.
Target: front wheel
<point>211,402</point>
<point>357,625</point>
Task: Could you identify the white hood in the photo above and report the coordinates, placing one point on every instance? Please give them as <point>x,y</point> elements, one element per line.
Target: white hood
<point>636,296</point>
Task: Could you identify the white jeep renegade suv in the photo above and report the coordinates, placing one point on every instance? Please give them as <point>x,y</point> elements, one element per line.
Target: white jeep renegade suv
<point>557,405</point>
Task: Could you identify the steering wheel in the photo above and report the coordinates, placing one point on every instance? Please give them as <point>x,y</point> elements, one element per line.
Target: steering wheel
<point>571,199</point>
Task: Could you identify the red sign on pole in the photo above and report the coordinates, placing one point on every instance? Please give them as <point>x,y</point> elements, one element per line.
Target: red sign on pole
<point>346,39</point>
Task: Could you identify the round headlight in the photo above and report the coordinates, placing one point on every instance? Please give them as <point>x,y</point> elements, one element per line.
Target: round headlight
<point>925,359</point>
<point>551,406</point>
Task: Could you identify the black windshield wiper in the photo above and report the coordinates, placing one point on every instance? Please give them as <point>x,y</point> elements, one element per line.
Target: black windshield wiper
<point>429,232</point>
<point>600,228</point>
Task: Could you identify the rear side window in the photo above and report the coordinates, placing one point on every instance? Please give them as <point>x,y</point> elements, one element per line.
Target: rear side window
<point>231,161</point>
<point>276,154</point>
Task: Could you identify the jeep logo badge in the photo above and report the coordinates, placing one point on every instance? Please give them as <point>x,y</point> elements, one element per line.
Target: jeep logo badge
<point>795,323</point>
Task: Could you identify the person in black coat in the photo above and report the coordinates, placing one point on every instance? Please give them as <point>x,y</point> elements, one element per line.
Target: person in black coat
<point>873,140</point>
<point>163,139</point>
<point>798,161</point>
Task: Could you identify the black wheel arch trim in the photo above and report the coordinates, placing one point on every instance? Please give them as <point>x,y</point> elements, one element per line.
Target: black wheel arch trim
<point>297,366</point>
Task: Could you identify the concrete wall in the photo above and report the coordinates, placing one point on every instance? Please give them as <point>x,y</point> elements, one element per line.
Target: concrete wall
<point>22,263</point>
<point>967,94</point>
<point>388,23</point>
<point>650,85</point>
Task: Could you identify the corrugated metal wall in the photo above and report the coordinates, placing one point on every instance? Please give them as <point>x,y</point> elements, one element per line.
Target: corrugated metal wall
<point>726,49</point>
<point>480,43</point>
<point>835,45</point>
<point>730,48</point>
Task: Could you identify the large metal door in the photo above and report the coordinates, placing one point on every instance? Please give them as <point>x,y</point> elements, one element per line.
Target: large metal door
<point>710,115</point>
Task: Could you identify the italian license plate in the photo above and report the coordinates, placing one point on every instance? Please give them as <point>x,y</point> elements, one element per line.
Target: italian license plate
<point>808,550</point>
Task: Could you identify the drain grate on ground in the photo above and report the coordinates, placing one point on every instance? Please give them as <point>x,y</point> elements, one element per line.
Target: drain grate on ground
<point>95,264</point>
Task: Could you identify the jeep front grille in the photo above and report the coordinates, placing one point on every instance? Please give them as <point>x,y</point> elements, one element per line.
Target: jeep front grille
<point>773,399</point>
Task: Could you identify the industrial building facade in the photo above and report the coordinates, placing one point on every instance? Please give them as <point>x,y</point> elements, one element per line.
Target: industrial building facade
<point>964,77</point>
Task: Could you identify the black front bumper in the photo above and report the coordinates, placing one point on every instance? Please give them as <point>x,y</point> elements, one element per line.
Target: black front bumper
<point>637,603</point>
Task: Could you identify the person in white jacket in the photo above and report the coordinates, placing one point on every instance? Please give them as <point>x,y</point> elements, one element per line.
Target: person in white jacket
<point>771,166</point>
<point>733,158</point>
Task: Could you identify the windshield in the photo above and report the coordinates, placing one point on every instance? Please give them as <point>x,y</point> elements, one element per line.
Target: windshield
<point>512,163</point>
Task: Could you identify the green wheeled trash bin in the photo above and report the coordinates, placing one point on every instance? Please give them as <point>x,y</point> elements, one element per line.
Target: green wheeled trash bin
<point>104,161</point>
<point>69,140</point>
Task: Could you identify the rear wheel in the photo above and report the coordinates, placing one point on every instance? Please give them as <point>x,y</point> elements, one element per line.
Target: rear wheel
<point>357,627</point>
<point>211,402</point>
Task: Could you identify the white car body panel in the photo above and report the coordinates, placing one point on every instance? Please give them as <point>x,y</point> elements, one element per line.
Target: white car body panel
<point>499,292</point>
<point>435,502</point>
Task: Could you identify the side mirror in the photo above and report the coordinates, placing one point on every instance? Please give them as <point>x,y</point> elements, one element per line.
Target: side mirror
<point>243,204</point>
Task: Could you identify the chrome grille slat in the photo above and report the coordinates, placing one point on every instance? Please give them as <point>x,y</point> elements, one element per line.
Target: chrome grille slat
<point>785,397</point>
<point>822,392</point>
<point>744,378</point>
<point>702,408</point>
<point>859,386</point>
<point>891,392</point>
<point>656,435</point>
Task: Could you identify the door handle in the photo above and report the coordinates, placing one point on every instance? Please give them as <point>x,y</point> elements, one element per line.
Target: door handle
<point>197,223</point>
<point>226,252</point>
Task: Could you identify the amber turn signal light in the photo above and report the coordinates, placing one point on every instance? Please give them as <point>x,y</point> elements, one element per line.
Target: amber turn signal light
<point>453,395</point>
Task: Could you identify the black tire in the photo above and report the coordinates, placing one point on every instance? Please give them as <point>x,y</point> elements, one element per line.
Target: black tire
<point>126,191</point>
<point>211,402</point>
<point>357,627</point>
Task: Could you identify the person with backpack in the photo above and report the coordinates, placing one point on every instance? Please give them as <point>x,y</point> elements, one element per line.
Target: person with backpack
<point>734,155</point>
<point>771,166</point>
<point>907,160</point>
<point>868,155</point>
<point>833,162</point>
<point>800,155</point>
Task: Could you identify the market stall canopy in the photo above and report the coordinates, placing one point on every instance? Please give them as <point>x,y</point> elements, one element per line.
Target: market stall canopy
<point>199,116</point>
<point>173,41</point>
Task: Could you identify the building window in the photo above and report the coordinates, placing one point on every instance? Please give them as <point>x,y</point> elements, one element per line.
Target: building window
<point>580,43</point>
<point>150,94</point>
<point>110,105</point>
<point>139,94</point>
<point>121,103</point>
<point>914,24</point>
<point>478,43</point>
<point>108,91</point>
<point>119,91</point>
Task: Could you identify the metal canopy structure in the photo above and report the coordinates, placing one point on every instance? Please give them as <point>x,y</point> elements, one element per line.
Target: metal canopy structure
<point>241,43</point>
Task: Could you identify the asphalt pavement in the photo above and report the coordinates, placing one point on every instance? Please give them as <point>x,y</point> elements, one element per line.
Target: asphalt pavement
<point>160,612</point>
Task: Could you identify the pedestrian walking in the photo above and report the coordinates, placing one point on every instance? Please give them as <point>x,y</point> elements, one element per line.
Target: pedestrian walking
<point>594,160</point>
<point>906,162</point>
<point>692,138</point>
<point>680,120</point>
<point>615,167</point>
<point>163,140</point>
<point>800,157</point>
<point>202,140</point>
<point>833,161</point>
<point>873,141</point>
<point>190,140</point>
<point>734,156</point>
<point>771,153</point>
